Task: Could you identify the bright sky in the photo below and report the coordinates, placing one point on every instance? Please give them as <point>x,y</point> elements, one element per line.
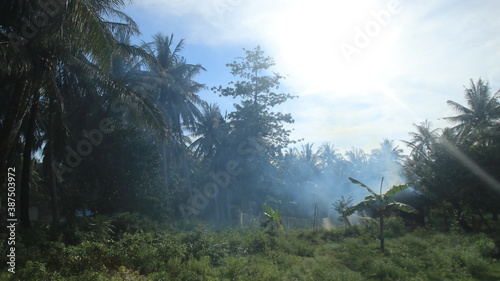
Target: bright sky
<point>363,70</point>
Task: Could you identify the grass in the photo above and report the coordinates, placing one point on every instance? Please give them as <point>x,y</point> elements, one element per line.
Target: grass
<point>244,254</point>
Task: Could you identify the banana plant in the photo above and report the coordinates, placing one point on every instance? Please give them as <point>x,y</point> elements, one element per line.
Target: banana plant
<point>272,217</point>
<point>340,206</point>
<point>380,202</point>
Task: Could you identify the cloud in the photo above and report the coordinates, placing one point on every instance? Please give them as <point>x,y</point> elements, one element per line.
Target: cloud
<point>404,74</point>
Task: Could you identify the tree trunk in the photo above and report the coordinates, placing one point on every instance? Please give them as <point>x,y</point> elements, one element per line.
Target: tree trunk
<point>228,205</point>
<point>17,110</point>
<point>186,175</point>
<point>217,209</point>
<point>382,237</point>
<point>26,171</point>
<point>347,221</point>
<point>54,201</point>
<point>164,165</point>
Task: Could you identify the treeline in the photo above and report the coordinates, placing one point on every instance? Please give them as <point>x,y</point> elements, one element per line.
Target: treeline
<point>458,167</point>
<point>93,123</point>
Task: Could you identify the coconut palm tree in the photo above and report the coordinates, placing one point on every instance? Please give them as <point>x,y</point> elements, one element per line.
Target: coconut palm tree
<point>482,110</point>
<point>328,156</point>
<point>309,156</point>
<point>176,92</point>
<point>424,144</point>
<point>176,95</point>
<point>74,42</point>
<point>356,161</point>
<point>209,130</point>
<point>423,140</point>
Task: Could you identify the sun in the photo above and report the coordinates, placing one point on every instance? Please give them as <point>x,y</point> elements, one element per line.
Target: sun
<point>307,38</point>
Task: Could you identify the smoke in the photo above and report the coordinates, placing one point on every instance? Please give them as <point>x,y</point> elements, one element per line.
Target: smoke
<point>318,179</point>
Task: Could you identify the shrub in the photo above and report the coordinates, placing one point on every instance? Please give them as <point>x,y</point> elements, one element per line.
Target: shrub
<point>201,242</point>
<point>96,229</point>
<point>233,267</point>
<point>131,223</point>
<point>139,251</point>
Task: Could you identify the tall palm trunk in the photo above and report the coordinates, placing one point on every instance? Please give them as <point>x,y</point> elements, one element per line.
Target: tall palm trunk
<point>382,235</point>
<point>17,110</point>
<point>381,213</point>
<point>54,202</point>
<point>164,165</point>
<point>26,171</point>
<point>186,175</point>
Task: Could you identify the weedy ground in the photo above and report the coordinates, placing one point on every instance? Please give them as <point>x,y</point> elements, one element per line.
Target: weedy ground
<point>127,248</point>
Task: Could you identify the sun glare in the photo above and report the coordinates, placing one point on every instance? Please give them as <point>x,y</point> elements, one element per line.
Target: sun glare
<point>307,38</point>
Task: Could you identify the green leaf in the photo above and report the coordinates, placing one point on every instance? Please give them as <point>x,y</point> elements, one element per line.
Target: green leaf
<point>387,199</point>
<point>281,224</point>
<point>370,197</point>
<point>267,208</point>
<point>363,205</point>
<point>276,215</point>
<point>397,188</point>
<point>363,185</point>
<point>403,207</point>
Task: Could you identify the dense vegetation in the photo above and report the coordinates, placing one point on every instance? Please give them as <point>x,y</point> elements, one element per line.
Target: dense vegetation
<point>138,249</point>
<point>96,126</point>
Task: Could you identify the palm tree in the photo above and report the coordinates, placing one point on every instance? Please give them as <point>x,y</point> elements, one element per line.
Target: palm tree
<point>310,157</point>
<point>356,161</point>
<point>209,129</point>
<point>424,145</point>
<point>386,160</point>
<point>482,112</point>
<point>76,43</point>
<point>328,156</point>
<point>176,95</point>
<point>387,153</point>
<point>176,91</point>
<point>423,140</point>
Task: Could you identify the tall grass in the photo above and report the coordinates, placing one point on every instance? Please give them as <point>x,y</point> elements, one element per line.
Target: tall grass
<point>244,254</point>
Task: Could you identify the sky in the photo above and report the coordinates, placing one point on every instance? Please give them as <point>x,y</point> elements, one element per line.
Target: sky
<point>364,71</point>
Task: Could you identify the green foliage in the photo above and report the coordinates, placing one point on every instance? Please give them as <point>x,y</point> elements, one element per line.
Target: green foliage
<point>341,205</point>
<point>96,229</point>
<point>457,167</point>
<point>243,254</point>
<point>393,227</point>
<point>272,217</point>
<point>65,79</point>
<point>127,274</point>
<point>380,202</point>
<point>131,223</point>
<point>203,243</point>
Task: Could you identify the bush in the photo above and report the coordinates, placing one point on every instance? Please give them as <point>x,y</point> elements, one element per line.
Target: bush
<point>242,254</point>
<point>131,223</point>
<point>201,242</point>
<point>233,267</point>
<point>139,251</point>
<point>95,228</point>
